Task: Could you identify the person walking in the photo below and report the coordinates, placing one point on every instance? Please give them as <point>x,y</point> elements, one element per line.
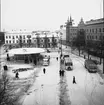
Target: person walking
<point>60,72</point>
<point>63,72</point>
<point>57,58</point>
<point>17,75</point>
<point>74,81</point>
<point>44,70</point>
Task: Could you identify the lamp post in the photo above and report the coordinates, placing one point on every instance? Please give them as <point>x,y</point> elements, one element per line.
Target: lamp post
<point>61,42</point>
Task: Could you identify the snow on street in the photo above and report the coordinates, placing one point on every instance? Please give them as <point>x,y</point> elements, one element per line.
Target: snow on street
<point>51,89</point>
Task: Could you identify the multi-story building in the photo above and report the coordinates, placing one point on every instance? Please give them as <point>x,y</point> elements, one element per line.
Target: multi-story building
<point>42,37</point>
<point>71,31</point>
<point>13,38</point>
<point>95,30</point>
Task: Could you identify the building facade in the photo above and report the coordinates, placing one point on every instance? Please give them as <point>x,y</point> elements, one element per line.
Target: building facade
<point>45,37</point>
<point>95,30</point>
<point>14,38</point>
<point>71,31</point>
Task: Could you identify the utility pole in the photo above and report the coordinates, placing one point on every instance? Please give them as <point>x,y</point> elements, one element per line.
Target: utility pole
<point>61,42</point>
<point>103,34</point>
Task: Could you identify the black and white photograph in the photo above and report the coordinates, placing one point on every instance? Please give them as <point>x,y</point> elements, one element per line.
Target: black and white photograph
<point>51,52</point>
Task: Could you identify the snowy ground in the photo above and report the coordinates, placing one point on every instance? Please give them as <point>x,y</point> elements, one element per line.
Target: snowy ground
<point>51,89</point>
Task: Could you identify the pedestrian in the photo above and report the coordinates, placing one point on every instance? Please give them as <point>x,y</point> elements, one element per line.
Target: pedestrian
<point>63,72</point>
<point>57,58</point>
<point>60,72</point>
<point>44,70</point>
<point>74,81</point>
<point>17,75</point>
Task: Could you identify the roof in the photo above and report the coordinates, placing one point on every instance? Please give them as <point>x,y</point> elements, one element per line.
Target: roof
<point>23,51</point>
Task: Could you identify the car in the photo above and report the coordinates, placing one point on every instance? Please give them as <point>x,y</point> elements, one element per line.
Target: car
<point>96,62</point>
<point>90,66</point>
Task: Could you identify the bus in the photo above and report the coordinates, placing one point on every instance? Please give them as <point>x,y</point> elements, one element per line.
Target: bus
<point>68,64</point>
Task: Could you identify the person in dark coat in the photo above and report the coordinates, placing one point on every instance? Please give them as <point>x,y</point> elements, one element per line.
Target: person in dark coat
<point>57,58</point>
<point>74,81</point>
<point>44,70</point>
<point>60,72</point>
<point>17,75</point>
<point>63,72</point>
<point>5,67</point>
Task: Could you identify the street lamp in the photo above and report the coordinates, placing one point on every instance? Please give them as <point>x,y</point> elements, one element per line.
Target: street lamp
<point>61,42</point>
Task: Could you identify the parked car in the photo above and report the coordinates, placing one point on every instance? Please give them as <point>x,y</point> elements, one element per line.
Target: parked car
<point>90,66</point>
<point>96,62</point>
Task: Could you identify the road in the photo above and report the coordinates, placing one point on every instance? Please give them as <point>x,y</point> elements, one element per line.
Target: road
<point>51,89</point>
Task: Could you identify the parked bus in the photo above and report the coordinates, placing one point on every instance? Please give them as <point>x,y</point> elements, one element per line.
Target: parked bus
<point>90,66</point>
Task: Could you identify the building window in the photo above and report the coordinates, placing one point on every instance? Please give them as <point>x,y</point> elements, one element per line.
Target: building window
<point>96,30</point>
<point>23,41</point>
<point>16,36</point>
<point>13,41</point>
<point>96,37</point>
<point>24,36</point>
<point>9,36</point>
<point>17,41</point>
<point>99,29</point>
<point>103,29</point>
<point>10,41</point>
<point>13,37</point>
<point>92,30</point>
<point>99,37</point>
<point>6,37</point>
<point>6,41</point>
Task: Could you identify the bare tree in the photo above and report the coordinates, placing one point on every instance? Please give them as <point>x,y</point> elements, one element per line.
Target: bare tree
<point>7,92</point>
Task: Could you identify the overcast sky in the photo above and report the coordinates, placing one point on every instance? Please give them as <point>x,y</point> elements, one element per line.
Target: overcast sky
<point>47,14</point>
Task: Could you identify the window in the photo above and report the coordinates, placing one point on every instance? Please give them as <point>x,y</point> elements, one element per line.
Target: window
<point>10,41</point>
<point>96,37</point>
<point>16,36</point>
<point>23,41</point>
<point>9,36</point>
<point>17,41</point>
<point>103,29</point>
<point>13,37</point>
<point>96,30</point>
<point>6,36</point>
<point>6,41</point>
<point>24,36</point>
<point>13,41</point>
<point>99,29</point>
<point>92,30</point>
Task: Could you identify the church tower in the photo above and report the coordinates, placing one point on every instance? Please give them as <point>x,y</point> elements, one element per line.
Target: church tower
<point>68,25</point>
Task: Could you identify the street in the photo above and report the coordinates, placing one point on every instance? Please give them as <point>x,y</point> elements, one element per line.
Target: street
<point>51,89</point>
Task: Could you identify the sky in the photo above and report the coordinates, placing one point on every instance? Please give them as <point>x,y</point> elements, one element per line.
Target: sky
<point>47,14</point>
